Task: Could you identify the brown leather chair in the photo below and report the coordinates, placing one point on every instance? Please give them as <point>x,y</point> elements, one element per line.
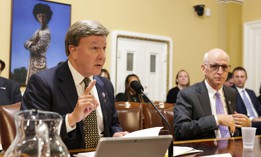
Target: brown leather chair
<point>153,119</point>
<point>169,115</point>
<point>7,123</point>
<point>130,115</point>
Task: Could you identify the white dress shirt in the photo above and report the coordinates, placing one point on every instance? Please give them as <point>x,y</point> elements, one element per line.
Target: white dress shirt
<point>78,81</point>
<point>248,97</point>
<point>212,98</point>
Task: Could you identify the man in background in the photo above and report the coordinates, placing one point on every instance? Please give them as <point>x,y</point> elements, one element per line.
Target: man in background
<point>9,89</point>
<point>207,109</point>
<point>229,81</point>
<point>247,102</point>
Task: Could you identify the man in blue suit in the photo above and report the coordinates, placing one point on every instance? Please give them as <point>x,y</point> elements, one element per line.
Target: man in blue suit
<point>247,102</point>
<point>61,89</point>
<point>9,89</point>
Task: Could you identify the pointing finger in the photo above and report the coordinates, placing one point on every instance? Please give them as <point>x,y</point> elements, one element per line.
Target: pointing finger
<point>89,88</point>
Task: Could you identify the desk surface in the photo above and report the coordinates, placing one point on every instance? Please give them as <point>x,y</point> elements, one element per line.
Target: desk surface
<point>234,146</point>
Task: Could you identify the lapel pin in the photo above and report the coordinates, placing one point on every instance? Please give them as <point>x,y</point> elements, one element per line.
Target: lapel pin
<point>3,88</point>
<point>103,95</point>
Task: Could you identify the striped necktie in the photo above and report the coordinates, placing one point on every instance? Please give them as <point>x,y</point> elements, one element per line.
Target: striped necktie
<point>248,104</point>
<point>90,125</point>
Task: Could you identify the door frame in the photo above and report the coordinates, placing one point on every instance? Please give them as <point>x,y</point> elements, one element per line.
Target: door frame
<point>141,36</point>
<point>252,54</point>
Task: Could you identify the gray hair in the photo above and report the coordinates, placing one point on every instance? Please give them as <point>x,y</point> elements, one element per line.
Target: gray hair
<point>82,29</point>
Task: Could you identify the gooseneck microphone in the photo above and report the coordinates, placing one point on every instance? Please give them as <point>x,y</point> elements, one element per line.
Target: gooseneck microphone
<point>137,87</point>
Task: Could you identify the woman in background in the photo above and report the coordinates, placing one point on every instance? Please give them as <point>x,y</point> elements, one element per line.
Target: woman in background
<point>130,95</point>
<point>182,81</point>
<point>40,40</point>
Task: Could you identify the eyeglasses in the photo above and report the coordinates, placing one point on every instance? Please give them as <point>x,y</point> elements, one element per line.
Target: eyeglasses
<point>215,67</point>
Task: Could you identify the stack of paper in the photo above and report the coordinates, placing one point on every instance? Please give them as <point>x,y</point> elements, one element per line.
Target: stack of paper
<point>180,150</point>
<point>145,132</point>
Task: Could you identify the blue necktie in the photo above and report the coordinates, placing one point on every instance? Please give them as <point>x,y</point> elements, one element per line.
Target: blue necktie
<point>220,110</point>
<point>248,105</point>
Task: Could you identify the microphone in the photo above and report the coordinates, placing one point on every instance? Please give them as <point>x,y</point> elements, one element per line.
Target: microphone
<point>137,87</point>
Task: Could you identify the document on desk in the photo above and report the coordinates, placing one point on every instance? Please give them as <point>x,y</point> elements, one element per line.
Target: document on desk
<point>180,150</point>
<point>145,132</point>
<point>86,154</point>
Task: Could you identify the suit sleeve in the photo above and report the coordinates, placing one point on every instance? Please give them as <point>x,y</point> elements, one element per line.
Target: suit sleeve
<point>36,95</point>
<point>16,95</point>
<point>112,119</point>
<point>190,121</point>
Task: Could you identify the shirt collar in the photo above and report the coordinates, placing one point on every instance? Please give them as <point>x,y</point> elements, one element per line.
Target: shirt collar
<point>212,91</point>
<point>77,77</point>
<point>240,89</point>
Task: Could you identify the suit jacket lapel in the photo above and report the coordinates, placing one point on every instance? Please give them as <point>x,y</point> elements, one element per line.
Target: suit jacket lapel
<point>67,85</point>
<point>102,94</point>
<point>231,107</point>
<point>204,98</point>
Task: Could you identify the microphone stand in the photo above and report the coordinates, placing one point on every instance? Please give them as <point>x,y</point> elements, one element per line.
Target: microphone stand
<point>170,149</point>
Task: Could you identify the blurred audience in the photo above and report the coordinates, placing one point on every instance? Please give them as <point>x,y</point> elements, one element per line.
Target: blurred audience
<point>2,66</point>
<point>105,73</point>
<point>130,95</point>
<point>229,81</point>
<point>182,81</point>
<point>9,89</point>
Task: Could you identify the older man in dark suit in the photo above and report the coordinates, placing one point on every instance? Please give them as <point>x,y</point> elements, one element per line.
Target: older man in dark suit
<point>63,89</point>
<point>207,109</point>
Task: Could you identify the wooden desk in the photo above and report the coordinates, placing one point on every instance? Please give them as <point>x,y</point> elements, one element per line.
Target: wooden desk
<point>234,146</point>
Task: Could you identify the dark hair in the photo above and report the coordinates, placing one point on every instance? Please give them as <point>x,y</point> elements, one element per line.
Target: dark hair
<point>127,86</point>
<point>229,76</point>
<point>3,65</point>
<point>239,69</point>
<point>43,9</point>
<point>106,72</point>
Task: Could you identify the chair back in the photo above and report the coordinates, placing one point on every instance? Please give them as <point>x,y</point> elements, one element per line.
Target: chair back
<point>130,115</point>
<point>153,119</point>
<point>7,123</point>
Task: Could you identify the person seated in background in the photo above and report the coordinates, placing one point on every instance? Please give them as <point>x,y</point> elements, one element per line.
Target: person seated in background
<point>130,95</point>
<point>2,66</point>
<point>247,102</point>
<point>229,81</point>
<point>9,89</point>
<point>182,81</point>
<point>105,73</point>
<point>208,109</point>
<point>259,97</point>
